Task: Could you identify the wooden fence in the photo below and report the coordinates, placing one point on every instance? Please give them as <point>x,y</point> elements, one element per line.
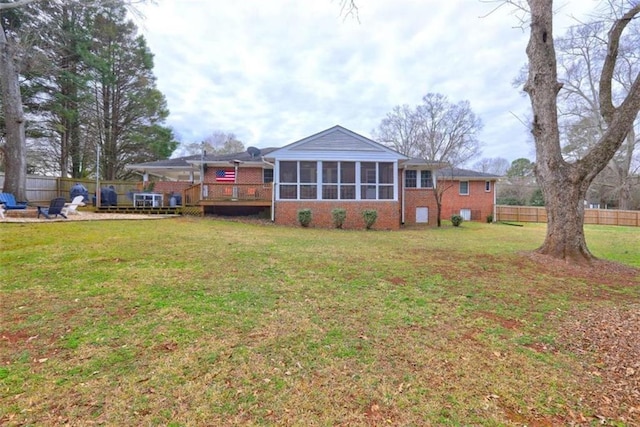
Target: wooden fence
<point>41,189</point>
<point>591,216</point>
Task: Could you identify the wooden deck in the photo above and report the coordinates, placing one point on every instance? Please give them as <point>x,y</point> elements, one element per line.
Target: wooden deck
<point>130,209</point>
<point>228,194</point>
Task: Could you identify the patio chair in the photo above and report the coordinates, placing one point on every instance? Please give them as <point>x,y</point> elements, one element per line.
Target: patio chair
<point>54,209</point>
<point>9,202</point>
<point>1,210</point>
<point>252,193</point>
<point>72,208</point>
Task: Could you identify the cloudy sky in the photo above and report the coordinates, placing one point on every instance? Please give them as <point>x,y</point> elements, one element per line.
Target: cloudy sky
<point>273,72</point>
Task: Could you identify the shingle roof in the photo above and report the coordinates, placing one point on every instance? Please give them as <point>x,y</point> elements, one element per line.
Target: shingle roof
<point>243,156</point>
<point>458,173</point>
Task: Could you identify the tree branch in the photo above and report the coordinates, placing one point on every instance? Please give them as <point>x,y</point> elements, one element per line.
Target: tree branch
<point>13,5</point>
<point>606,77</point>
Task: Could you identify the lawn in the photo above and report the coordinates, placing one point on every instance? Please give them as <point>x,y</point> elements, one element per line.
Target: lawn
<point>206,322</point>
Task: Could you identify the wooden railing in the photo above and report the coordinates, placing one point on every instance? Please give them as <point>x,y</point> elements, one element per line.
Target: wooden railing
<point>591,216</point>
<point>227,192</point>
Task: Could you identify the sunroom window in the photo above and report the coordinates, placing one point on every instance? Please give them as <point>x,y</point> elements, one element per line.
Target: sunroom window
<point>308,179</point>
<point>288,180</point>
<point>335,180</point>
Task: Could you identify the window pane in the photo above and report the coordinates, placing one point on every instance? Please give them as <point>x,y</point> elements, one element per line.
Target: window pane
<point>487,186</point>
<point>386,173</point>
<point>347,192</point>
<point>368,192</point>
<point>288,192</point>
<point>289,172</point>
<point>348,173</point>
<point>410,179</point>
<point>308,172</point>
<point>464,187</point>
<point>267,176</point>
<point>425,179</point>
<point>329,192</point>
<point>330,172</point>
<point>308,191</point>
<point>368,173</point>
<point>386,192</point>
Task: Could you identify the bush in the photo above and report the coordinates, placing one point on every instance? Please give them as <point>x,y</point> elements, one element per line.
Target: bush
<point>456,220</point>
<point>304,217</point>
<point>339,216</point>
<point>370,216</point>
<point>489,218</point>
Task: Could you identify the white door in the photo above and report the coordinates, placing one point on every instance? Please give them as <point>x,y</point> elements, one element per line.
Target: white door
<point>465,214</point>
<point>422,215</point>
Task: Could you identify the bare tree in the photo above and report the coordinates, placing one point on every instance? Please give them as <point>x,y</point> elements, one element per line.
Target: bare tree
<point>581,53</point>
<point>564,184</point>
<point>217,142</point>
<point>436,130</point>
<point>492,165</point>
<point>15,146</point>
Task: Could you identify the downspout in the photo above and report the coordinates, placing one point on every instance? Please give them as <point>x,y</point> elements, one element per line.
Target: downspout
<point>273,191</point>
<point>402,205</point>
<point>495,201</point>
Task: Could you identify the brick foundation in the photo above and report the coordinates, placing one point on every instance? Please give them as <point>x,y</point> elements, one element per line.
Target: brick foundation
<point>286,213</point>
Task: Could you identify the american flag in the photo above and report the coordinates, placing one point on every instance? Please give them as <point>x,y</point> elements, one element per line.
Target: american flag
<point>225,176</point>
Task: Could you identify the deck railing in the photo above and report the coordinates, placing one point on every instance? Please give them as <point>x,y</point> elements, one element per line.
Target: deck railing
<point>224,192</point>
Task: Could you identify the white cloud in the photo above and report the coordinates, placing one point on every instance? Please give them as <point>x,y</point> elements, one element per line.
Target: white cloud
<point>275,71</point>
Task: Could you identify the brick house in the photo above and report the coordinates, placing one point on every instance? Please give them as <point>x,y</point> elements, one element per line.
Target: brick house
<point>335,168</point>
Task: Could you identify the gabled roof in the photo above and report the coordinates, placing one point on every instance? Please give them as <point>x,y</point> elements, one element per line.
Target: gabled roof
<point>465,174</point>
<point>336,139</point>
<point>416,163</point>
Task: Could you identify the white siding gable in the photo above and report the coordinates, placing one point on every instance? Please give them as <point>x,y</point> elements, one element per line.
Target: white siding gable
<point>336,143</point>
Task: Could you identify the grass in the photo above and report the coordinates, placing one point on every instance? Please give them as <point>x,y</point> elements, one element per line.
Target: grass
<point>204,322</point>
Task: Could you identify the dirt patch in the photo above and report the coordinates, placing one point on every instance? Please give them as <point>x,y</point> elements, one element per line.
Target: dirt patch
<point>600,271</point>
<point>510,324</point>
<point>84,216</point>
<point>607,342</point>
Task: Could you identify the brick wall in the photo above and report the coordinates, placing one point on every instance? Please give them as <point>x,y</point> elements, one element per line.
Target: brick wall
<point>250,175</point>
<point>419,198</point>
<point>478,200</point>
<point>168,187</point>
<point>286,213</point>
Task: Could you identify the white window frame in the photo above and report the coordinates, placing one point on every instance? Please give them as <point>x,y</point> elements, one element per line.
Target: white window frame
<point>415,179</point>
<point>487,186</point>
<point>460,188</point>
<point>358,182</point>
<point>430,180</point>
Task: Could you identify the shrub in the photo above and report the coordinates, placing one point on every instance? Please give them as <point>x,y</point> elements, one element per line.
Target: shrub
<point>339,216</point>
<point>370,216</point>
<point>456,220</point>
<point>304,217</point>
<point>489,218</point>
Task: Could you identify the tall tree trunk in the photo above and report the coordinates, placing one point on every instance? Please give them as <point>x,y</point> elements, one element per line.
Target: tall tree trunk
<point>564,185</point>
<point>564,204</point>
<point>15,149</point>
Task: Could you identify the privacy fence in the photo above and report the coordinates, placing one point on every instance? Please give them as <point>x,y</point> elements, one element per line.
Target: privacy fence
<point>41,189</point>
<point>591,216</point>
